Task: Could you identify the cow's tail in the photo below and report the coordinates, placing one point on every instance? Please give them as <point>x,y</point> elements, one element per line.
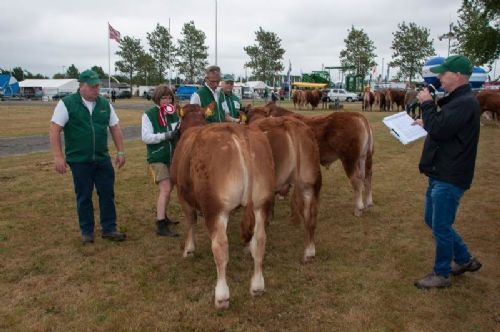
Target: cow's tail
<point>247,225</point>
<point>370,150</point>
<point>297,199</point>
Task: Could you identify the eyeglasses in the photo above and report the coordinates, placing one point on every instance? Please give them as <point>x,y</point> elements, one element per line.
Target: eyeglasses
<point>214,81</point>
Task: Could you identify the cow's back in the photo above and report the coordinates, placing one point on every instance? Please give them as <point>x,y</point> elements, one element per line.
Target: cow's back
<point>294,147</point>
<point>222,166</point>
<point>346,134</point>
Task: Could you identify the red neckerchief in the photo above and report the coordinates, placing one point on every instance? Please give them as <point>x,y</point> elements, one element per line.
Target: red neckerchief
<point>162,114</point>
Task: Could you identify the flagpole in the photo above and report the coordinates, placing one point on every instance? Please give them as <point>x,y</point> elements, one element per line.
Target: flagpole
<point>109,64</point>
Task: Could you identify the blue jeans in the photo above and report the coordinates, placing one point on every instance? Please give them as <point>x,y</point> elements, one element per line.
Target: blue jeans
<point>101,175</point>
<point>442,200</point>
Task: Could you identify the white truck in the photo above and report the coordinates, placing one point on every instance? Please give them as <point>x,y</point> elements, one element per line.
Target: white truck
<point>342,95</point>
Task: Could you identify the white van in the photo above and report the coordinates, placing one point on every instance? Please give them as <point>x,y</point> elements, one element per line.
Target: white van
<point>342,95</point>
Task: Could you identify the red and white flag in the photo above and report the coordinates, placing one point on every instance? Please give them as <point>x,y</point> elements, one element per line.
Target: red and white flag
<point>114,34</point>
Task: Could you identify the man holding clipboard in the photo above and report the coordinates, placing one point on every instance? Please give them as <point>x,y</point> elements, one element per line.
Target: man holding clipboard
<point>448,160</point>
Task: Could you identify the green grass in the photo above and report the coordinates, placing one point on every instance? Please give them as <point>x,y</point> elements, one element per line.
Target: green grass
<point>362,277</point>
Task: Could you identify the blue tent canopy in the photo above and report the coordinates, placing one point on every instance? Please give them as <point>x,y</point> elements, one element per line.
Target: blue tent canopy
<point>8,85</point>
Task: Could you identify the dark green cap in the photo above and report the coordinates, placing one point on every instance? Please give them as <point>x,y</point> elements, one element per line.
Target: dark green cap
<point>228,78</point>
<point>90,77</point>
<point>455,64</point>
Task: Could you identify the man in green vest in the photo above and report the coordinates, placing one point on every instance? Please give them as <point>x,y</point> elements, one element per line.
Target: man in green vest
<point>230,102</point>
<point>85,117</point>
<point>209,93</point>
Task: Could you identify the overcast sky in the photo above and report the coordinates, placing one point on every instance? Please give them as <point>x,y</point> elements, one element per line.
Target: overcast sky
<point>44,36</point>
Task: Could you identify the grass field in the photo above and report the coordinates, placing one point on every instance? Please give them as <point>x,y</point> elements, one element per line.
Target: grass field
<point>362,278</point>
<point>33,118</point>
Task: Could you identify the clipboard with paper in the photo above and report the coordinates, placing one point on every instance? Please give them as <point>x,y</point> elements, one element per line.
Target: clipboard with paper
<point>400,125</point>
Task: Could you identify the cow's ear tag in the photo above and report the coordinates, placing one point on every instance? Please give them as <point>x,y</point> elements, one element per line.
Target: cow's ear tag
<point>181,112</point>
<point>243,118</point>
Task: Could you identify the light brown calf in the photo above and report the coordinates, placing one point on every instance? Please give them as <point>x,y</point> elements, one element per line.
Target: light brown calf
<point>217,168</point>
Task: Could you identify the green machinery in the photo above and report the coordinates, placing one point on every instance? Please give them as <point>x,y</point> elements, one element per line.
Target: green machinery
<point>318,76</point>
<point>352,83</point>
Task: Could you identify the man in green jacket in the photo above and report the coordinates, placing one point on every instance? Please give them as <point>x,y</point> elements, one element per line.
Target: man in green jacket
<point>209,93</point>
<point>85,118</point>
<point>230,102</point>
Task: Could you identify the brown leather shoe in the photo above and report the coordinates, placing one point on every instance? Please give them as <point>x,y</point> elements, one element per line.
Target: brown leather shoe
<point>432,280</point>
<point>114,236</point>
<point>472,265</point>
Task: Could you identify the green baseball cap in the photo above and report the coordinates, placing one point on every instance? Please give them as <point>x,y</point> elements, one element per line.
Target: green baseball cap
<point>228,78</point>
<point>455,64</point>
<point>90,77</point>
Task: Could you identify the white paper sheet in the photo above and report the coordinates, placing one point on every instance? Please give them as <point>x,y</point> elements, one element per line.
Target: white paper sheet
<point>401,127</point>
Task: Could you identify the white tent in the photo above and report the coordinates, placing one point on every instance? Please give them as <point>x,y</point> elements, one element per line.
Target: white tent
<point>47,87</point>
<point>257,85</point>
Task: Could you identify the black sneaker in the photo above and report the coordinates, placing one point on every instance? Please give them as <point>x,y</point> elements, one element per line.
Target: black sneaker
<point>114,236</point>
<point>87,238</point>
<point>472,266</point>
<point>162,228</point>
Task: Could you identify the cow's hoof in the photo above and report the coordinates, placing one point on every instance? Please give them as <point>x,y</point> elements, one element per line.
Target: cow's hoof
<point>222,304</point>
<point>188,254</point>
<point>257,292</point>
<point>307,259</point>
<point>358,213</point>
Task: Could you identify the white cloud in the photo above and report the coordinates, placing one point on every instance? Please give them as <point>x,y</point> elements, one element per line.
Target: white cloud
<point>44,37</point>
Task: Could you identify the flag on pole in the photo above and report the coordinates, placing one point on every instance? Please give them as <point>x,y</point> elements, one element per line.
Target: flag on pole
<point>114,34</point>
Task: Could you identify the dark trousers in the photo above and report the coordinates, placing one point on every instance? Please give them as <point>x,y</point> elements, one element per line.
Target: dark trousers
<point>101,175</point>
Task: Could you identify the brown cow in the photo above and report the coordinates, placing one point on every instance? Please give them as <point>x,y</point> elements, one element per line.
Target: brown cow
<point>313,97</point>
<point>489,101</point>
<point>380,100</point>
<point>296,162</point>
<point>346,136</point>
<point>216,169</point>
<point>368,99</point>
<point>411,104</point>
<point>299,98</point>
<point>393,96</point>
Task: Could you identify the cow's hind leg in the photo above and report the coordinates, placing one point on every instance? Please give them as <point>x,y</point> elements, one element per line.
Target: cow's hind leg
<point>354,173</point>
<point>257,248</point>
<point>310,217</point>
<point>190,214</point>
<point>221,257</point>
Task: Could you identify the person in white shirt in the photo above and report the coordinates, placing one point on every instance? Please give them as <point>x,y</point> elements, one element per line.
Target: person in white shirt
<point>85,118</point>
<point>160,133</point>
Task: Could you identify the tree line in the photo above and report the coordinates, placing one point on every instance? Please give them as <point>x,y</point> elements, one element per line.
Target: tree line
<point>476,35</point>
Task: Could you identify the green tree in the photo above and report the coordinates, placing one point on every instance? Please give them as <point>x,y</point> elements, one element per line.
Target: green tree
<point>358,52</point>
<point>59,76</point>
<point>266,55</point>
<point>411,47</point>
<point>130,52</point>
<point>18,73</point>
<point>478,31</point>
<point>192,52</point>
<point>72,72</point>
<point>100,72</point>
<point>161,48</point>
<point>147,72</point>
